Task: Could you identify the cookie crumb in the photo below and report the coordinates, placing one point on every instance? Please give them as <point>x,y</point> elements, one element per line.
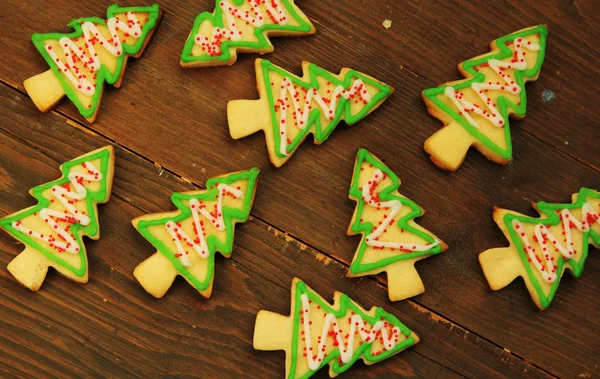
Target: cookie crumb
<point>387,24</point>
<point>548,95</point>
<point>104,300</point>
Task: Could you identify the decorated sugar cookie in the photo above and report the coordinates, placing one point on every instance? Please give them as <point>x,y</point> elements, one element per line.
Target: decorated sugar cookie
<point>541,249</point>
<point>291,107</point>
<point>317,334</point>
<point>392,241</point>
<point>66,211</point>
<point>241,26</point>
<point>187,239</point>
<point>94,53</point>
<point>475,110</point>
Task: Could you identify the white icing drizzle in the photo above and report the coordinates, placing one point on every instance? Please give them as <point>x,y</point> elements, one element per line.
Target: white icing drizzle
<point>259,12</point>
<point>199,243</point>
<point>358,88</point>
<point>543,235</point>
<point>492,113</point>
<point>89,58</point>
<point>71,215</point>
<point>346,349</point>
<point>395,207</point>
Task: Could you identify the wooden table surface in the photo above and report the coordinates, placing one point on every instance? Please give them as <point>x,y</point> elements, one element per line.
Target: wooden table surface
<point>169,128</point>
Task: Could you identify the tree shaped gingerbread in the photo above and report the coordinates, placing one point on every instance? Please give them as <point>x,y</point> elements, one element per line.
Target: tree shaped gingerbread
<point>290,107</point>
<point>95,52</point>
<point>51,230</point>
<point>241,26</point>
<point>187,239</point>
<point>541,249</point>
<point>317,333</point>
<point>475,110</point>
<point>391,241</point>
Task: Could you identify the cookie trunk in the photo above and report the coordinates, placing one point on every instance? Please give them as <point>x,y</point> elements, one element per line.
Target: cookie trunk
<point>29,268</point>
<point>246,117</point>
<point>500,266</point>
<point>45,90</point>
<point>156,274</point>
<point>449,145</point>
<point>272,331</point>
<point>403,280</point>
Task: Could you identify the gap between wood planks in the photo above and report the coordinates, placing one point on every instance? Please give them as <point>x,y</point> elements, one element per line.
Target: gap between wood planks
<point>317,254</point>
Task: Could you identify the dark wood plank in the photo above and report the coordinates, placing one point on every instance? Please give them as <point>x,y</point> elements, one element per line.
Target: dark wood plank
<point>116,327</point>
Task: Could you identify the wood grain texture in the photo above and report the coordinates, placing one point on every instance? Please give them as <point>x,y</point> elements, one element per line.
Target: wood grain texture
<point>174,122</point>
<point>120,326</point>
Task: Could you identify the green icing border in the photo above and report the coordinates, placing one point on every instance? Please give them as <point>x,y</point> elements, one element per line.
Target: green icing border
<point>229,215</point>
<point>343,107</point>
<point>103,73</point>
<point>92,197</point>
<point>553,220</point>
<point>365,227</point>
<point>217,21</point>
<point>502,102</point>
<point>345,304</point>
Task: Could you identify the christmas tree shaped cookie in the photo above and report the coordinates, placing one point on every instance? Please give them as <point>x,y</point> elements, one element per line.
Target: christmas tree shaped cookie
<point>290,107</point>
<point>244,26</point>
<point>541,249</point>
<point>51,230</point>
<point>317,333</point>
<point>392,241</point>
<point>187,239</point>
<point>475,110</point>
<point>95,52</point>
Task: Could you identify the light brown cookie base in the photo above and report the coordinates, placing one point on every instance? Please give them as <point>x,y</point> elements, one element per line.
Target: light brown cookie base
<point>448,147</point>
<point>157,274</point>
<point>30,267</point>
<point>403,280</point>
<point>246,117</point>
<point>46,90</point>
